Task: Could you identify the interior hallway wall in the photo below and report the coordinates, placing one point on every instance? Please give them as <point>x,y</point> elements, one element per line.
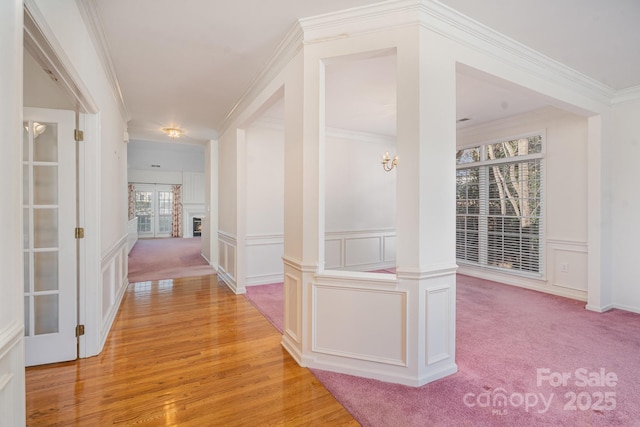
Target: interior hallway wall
<point>12,383</point>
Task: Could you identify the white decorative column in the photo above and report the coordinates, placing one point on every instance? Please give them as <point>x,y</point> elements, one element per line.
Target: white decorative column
<point>426,204</point>
<point>300,220</point>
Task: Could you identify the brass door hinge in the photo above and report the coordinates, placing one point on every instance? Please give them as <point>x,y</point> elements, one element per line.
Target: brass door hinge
<point>78,135</point>
<point>79,330</point>
<point>79,233</point>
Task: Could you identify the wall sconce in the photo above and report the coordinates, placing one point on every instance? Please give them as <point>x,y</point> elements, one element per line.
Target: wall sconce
<point>173,132</point>
<point>387,163</point>
<point>38,129</point>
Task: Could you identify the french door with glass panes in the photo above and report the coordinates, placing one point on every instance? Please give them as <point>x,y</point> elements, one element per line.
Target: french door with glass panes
<point>154,209</point>
<point>49,215</point>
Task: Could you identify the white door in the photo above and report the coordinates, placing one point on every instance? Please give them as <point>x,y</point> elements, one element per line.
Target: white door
<point>49,209</point>
<point>154,209</point>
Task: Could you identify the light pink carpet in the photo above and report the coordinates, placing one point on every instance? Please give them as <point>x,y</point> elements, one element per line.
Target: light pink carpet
<point>508,339</point>
<point>172,258</point>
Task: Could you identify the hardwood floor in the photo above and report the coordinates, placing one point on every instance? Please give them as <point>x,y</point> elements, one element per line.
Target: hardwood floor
<point>183,352</point>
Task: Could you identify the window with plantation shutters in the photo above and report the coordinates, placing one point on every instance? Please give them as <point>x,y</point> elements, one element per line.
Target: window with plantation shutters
<point>499,205</point>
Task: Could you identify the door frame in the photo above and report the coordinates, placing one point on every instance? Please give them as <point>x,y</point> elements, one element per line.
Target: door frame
<point>155,189</point>
<point>42,44</point>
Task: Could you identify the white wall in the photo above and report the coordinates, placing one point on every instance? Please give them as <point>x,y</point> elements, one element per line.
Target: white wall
<point>626,206</point>
<point>360,202</point>
<point>565,191</point>
<point>169,156</point>
<point>264,202</point>
<point>12,383</point>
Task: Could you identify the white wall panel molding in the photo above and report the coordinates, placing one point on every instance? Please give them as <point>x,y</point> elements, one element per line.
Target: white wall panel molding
<point>294,300</point>
<point>438,312</point>
<point>568,265</point>
<point>298,265</point>
<point>193,188</point>
<point>12,375</point>
<point>341,316</point>
<point>360,250</point>
<point>357,279</point>
<point>113,286</point>
<point>227,251</point>
<point>435,271</point>
<point>264,239</point>
<point>10,336</point>
<point>522,281</point>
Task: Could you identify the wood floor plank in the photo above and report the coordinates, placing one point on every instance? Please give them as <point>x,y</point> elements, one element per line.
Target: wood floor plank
<point>185,352</point>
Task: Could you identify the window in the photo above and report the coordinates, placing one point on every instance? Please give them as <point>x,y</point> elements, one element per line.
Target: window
<point>499,205</point>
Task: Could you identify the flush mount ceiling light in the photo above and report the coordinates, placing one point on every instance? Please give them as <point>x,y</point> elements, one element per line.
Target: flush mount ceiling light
<point>173,132</point>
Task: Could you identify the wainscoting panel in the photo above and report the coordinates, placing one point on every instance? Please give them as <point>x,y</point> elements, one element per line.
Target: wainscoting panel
<point>569,265</point>
<point>438,313</point>
<point>114,283</point>
<point>389,251</point>
<point>362,250</point>
<point>333,253</point>
<point>360,323</point>
<point>293,315</point>
<point>12,376</point>
<point>264,259</point>
<point>227,253</point>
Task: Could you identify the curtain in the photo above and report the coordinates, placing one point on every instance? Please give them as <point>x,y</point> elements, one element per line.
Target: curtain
<point>132,201</point>
<point>176,223</point>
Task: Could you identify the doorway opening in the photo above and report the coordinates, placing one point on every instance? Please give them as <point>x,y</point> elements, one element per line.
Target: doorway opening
<point>154,205</point>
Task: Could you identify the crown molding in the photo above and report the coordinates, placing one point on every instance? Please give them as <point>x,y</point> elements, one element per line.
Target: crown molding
<point>433,16</point>
<point>631,94</point>
<point>283,54</point>
<point>382,16</point>
<point>91,18</point>
<point>453,25</point>
<point>461,29</point>
<point>359,136</point>
<point>331,132</point>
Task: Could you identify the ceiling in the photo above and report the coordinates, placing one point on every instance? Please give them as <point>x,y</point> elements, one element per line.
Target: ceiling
<point>186,63</point>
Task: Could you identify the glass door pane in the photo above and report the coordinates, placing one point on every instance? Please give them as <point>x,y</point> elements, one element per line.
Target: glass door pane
<point>41,212</point>
<point>144,211</point>
<point>165,212</point>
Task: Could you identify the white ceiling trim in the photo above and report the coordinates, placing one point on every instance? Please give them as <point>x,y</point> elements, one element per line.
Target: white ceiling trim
<point>631,94</point>
<point>278,125</point>
<point>435,16</point>
<point>284,53</point>
<point>92,21</point>
<point>358,20</point>
<point>460,28</point>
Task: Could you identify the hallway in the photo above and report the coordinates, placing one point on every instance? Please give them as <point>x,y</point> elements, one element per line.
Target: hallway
<point>193,354</point>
